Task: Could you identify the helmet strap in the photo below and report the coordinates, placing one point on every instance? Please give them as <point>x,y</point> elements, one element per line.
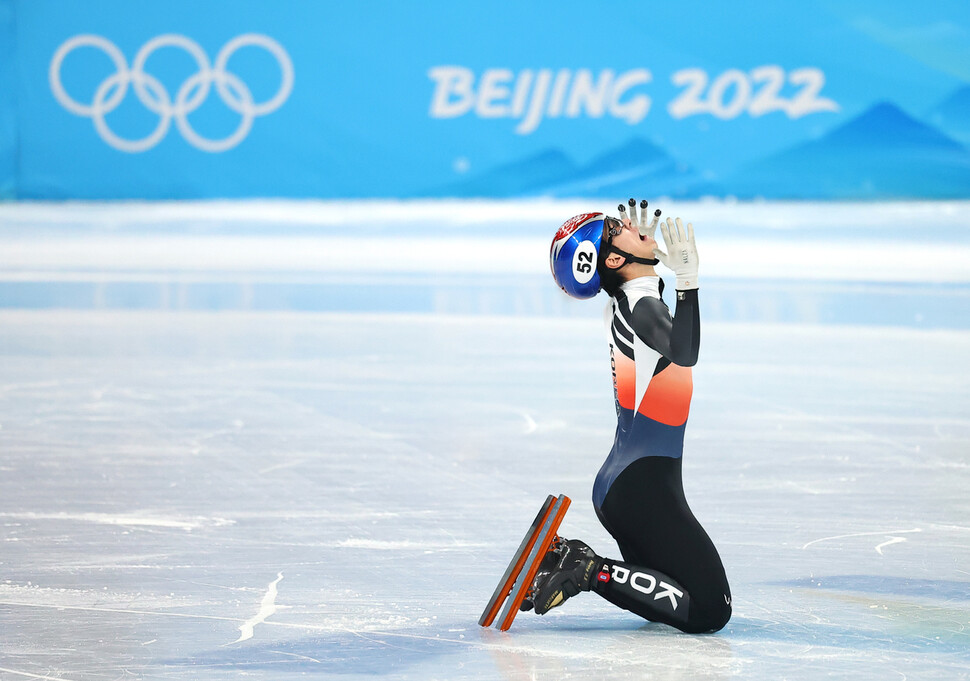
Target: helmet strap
<point>632,258</point>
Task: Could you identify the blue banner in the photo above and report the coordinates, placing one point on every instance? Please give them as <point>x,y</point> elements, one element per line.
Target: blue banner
<point>295,98</point>
<point>8,105</point>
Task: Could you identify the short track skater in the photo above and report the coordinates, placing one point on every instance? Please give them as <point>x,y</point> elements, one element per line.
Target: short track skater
<point>670,571</point>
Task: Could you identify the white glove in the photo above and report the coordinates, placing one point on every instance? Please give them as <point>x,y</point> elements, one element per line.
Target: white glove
<point>644,228</point>
<point>682,258</point>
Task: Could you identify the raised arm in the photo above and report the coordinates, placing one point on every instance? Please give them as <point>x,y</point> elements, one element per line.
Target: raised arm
<point>678,339</point>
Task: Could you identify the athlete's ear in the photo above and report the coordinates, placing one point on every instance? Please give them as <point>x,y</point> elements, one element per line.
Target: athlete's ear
<point>614,261</point>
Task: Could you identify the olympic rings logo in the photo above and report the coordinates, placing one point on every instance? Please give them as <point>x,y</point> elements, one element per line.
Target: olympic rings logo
<point>156,98</point>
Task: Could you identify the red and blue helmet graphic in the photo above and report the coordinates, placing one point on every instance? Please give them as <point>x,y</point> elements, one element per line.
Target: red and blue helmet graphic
<point>574,252</point>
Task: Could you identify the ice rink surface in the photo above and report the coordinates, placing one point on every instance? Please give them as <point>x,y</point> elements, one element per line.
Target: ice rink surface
<point>219,460</point>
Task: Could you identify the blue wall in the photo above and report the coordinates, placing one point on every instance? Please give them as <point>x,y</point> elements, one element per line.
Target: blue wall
<point>840,100</point>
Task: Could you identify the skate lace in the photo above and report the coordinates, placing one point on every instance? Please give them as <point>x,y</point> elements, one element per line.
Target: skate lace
<point>558,547</point>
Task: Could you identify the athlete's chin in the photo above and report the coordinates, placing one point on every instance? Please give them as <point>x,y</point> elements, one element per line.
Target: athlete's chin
<point>646,251</point>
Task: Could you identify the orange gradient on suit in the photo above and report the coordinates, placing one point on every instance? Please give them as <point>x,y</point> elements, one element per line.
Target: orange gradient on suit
<point>668,396</point>
<point>667,399</point>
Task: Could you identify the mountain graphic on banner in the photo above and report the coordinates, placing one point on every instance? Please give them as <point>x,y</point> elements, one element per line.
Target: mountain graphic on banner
<point>632,168</point>
<point>635,168</point>
<point>881,154</point>
<point>952,115</point>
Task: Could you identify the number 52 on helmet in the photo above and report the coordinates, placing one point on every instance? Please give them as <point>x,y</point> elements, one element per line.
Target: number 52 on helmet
<point>574,254</point>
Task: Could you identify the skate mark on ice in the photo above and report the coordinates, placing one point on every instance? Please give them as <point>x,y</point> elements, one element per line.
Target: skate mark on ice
<point>127,611</point>
<point>32,676</point>
<point>367,636</point>
<point>888,533</point>
<point>894,540</point>
<point>281,466</point>
<point>530,423</point>
<point>299,657</point>
<point>383,545</point>
<point>266,608</point>
<point>127,519</point>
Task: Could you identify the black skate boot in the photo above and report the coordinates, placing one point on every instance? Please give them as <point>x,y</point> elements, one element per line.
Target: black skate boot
<point>566,569</point>
<point>546,568</point>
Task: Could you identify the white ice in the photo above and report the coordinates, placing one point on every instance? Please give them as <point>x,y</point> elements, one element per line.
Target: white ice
<point>278,467</point>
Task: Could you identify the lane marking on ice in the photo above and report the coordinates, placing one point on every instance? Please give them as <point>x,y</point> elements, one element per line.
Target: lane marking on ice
<point>266,608</point>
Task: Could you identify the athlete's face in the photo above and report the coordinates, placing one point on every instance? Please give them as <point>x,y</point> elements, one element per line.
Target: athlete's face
<point>626,237</point>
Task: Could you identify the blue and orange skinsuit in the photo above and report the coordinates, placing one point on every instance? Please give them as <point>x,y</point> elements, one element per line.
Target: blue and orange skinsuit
<point>671,571</point>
